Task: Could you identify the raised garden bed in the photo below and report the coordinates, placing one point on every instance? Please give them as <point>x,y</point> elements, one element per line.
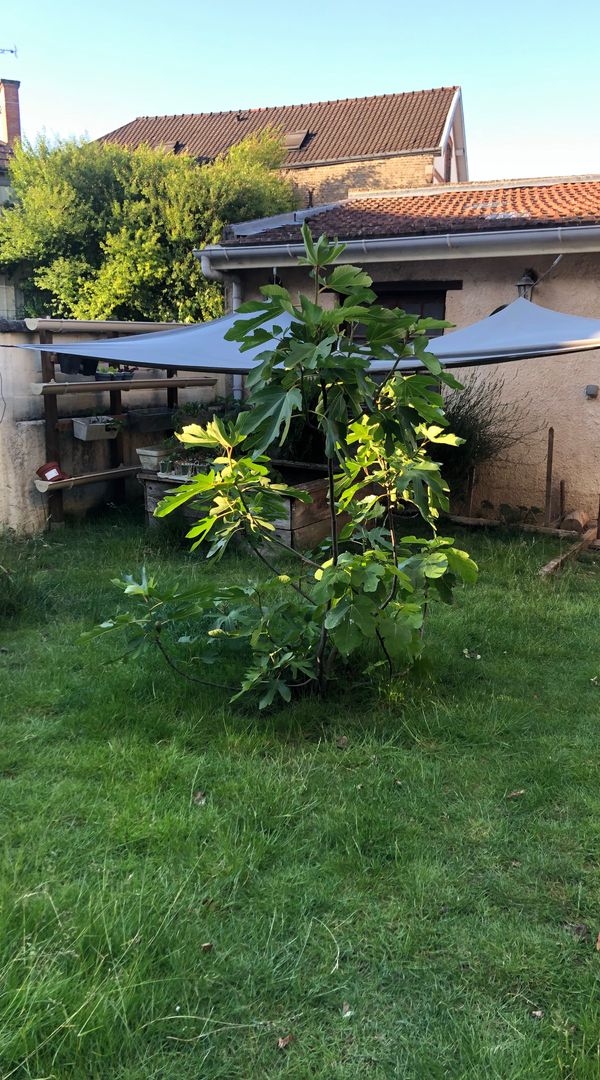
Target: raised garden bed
<point>304,525</point>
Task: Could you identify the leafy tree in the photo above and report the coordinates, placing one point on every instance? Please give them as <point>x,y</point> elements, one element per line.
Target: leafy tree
<point>368,590</point>
<point>97,231</point>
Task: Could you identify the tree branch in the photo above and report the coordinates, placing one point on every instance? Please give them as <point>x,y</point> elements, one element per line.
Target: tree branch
<point>185,675</point>
<point>386,653</point>
<point>275,571</point>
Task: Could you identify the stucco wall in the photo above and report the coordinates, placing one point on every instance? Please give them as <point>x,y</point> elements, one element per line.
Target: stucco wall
<point>22,439</point>
<point>330,182</point>
<point>551,391</point>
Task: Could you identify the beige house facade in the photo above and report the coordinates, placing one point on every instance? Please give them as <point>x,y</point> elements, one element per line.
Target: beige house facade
<point>458,251</point>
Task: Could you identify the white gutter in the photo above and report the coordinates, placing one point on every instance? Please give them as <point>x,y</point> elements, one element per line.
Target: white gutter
<point>478,245</point>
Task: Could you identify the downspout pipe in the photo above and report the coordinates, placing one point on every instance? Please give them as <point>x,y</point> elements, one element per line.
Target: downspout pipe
<point>209,271</point>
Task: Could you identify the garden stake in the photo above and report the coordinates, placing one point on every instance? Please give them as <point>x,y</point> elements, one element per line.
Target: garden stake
<point>470,487</point>
<point>548,497</point>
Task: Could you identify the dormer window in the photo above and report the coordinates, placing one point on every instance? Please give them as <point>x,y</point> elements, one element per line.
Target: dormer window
<point>294,140</point>
<point>173,146</point>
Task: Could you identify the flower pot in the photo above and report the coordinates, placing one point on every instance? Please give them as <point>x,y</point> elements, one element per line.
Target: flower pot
<point>150,457</point>
<point>88,365</point>
<point>70,365</point>
<point>93,428</point>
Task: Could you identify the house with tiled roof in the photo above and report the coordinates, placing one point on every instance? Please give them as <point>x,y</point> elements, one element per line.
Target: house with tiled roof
<point>10,131</point>
<point>461,251</point>
<point>333,147</point>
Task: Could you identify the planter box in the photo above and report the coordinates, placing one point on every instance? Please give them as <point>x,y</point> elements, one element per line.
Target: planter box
<point>306,524</point>
<point>150,457</point>
<point>158,419</point>
<point>93,428</point>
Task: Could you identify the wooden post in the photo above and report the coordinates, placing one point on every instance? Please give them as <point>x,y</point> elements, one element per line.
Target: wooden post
<point>561,507</point>
<point>117,446</point>
<point>548,495</point>
<point>560,560</point>
<point>56,515</point>
<point>470,487</point>
<point>172,394</point>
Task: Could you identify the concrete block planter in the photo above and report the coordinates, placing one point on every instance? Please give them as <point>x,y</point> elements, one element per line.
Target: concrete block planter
<point>93,428</point>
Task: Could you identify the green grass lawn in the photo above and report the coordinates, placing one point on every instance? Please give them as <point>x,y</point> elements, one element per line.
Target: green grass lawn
<point>357,876</point>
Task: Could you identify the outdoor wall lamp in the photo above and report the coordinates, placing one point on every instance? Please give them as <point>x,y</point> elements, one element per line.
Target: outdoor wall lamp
<point>526,284</point>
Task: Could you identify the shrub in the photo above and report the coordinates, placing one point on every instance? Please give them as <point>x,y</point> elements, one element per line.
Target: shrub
<point>486,424</point>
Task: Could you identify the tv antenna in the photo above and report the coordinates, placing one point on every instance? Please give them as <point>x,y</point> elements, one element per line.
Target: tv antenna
<point>13,51</point>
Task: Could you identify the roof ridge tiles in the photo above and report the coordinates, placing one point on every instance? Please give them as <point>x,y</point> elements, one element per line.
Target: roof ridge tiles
<point>296,105</point>
<point>509,184</point>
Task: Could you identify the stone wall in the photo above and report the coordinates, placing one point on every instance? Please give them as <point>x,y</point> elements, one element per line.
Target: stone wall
<point>327,183</point>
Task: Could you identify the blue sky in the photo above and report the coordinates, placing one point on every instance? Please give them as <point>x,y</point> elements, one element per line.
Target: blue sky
<point>529,70</point>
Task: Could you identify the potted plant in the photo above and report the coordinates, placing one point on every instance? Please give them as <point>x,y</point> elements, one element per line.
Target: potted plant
<point>94,428</point>
<point>150,456</point>
<point>106,372</point>
<point>170,450</point>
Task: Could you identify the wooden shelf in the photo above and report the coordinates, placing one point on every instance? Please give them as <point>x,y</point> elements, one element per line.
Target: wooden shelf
<point>119,473</point>
<point>54,388</point>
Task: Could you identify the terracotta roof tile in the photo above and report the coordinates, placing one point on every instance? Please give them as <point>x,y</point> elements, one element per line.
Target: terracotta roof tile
<point>465,208</point>
<point>336,130</point>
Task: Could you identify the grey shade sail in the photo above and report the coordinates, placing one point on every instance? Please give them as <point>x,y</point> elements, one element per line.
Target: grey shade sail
<point>199,347</point>
<point>519,331</point>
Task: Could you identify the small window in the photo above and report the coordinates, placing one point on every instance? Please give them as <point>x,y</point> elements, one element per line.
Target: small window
<point>424,303</point>
<point>294,140</point>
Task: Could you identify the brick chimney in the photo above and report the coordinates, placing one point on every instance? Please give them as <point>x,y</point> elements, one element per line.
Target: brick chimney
<point>10,115</point>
